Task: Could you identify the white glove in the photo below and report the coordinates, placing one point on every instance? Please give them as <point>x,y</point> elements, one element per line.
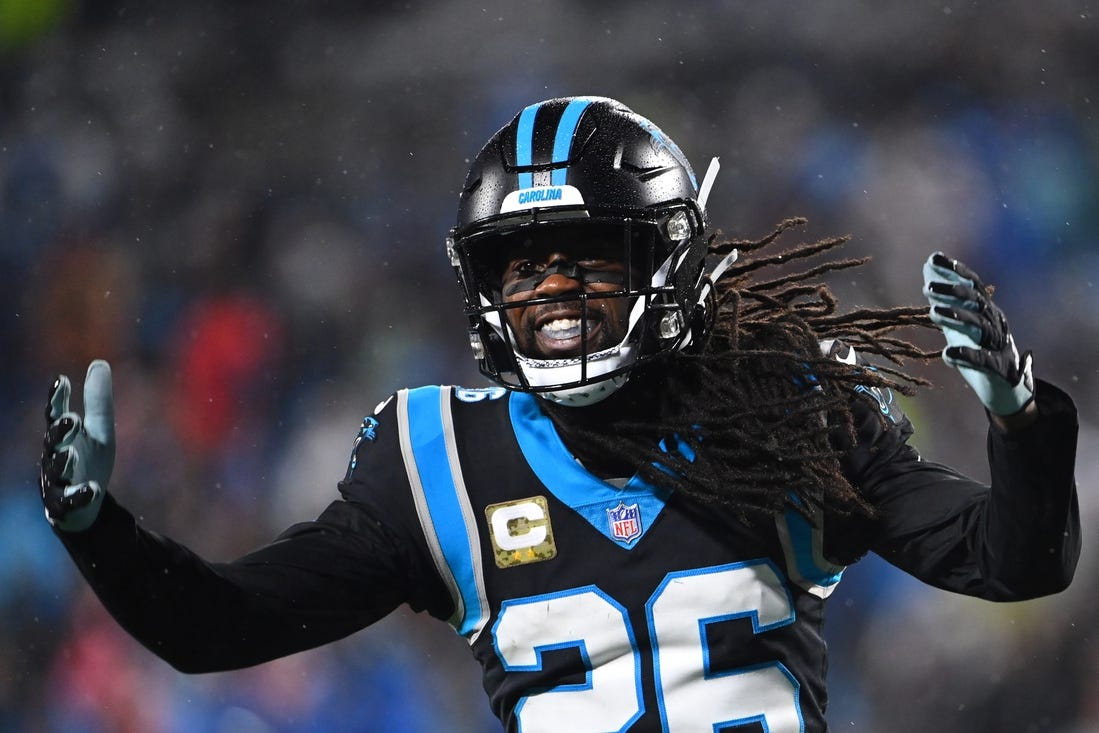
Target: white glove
<point>979,344</point>
<point>78,454</point>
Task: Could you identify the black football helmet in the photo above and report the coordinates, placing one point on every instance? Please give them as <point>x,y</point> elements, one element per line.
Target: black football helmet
<point>583,168</point>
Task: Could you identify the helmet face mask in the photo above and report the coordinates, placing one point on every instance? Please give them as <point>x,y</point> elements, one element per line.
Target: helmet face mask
<point>591,247</point>
<point>616,204</point>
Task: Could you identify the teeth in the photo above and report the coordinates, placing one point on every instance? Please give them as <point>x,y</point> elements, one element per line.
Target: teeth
<point>562,328</point>
<point>560,324</point>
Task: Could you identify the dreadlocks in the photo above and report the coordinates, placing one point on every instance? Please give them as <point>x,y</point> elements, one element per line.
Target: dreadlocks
<point>756,417</point>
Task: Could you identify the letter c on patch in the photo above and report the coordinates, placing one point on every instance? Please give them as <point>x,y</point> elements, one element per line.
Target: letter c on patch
<point>534,534</point>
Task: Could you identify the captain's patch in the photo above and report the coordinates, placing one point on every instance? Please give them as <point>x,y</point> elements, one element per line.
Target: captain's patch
<point>520,531</point>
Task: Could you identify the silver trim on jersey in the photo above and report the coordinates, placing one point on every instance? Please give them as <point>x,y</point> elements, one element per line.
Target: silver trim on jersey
<point>445,406</point>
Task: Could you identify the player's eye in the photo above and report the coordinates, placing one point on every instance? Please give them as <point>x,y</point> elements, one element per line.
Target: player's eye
<point>522,268</point>
<point>599,264</point>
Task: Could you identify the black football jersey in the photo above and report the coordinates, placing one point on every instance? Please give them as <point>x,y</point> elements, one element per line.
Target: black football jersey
<point>594,605</point>
<point>598,607</point>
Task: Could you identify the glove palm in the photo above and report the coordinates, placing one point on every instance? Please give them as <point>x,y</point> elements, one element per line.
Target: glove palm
<point>78,452</point>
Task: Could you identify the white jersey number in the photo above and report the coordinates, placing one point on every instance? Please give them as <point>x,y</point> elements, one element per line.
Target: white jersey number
<point>690,694</point>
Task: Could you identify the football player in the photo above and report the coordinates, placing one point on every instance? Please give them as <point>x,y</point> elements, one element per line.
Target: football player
<point>638,528</point>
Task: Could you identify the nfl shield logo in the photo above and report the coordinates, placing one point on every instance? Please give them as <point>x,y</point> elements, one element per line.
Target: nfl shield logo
<point>625,522</point>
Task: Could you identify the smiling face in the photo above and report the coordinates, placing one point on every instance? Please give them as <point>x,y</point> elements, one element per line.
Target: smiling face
<point>560,271</point>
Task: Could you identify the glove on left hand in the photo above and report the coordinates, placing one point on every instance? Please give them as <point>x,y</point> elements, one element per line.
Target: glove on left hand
<point>979,344</point>
<point>78,454</point>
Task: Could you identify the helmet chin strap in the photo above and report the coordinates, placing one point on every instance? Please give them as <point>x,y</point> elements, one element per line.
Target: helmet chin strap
<point>716,272</point>
<point>708,280</point>
<point>708,182</point>
<point>589,394</point>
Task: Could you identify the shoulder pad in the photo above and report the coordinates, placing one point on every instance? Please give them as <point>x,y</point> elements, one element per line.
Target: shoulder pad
<point>882,397</point>
<point>368,431</point>
<point>839,351</point>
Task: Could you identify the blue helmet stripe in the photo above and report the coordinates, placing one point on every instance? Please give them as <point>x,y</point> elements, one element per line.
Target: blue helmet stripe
<point>524,143</point>
<point>562,141</point>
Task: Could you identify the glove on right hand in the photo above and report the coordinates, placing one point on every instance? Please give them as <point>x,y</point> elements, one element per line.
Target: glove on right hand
<point>979,343</point>
<point>78,453</point>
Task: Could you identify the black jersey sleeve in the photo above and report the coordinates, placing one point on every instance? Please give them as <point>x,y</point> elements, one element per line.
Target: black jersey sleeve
<point>377,485</point>
<point>317,582</point>
<point>1014,539</point>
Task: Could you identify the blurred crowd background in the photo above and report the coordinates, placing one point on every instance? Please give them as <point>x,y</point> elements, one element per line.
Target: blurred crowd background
<point>242,206</point>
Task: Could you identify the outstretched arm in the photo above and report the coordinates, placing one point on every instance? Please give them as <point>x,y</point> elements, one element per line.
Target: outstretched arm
<point>1018,537</point>
<point>318,582</point>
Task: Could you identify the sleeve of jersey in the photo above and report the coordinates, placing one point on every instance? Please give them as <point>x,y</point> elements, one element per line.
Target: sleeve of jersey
<point>1014,539</point>
<point>317,582</point>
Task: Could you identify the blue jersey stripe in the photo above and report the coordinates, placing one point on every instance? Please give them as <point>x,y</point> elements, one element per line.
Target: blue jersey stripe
<point>804,539</point>
<point>524,143</point>
<point>562,141</point>
<point>570,482</point>
<point>428,438</point>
